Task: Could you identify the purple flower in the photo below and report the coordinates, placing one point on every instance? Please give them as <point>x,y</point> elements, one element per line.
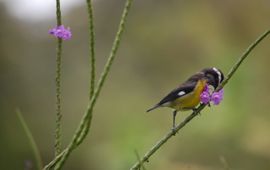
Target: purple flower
<point>61,32</point>
<point>206,89</point>
<point>205,97</point>
<point>217,97</point>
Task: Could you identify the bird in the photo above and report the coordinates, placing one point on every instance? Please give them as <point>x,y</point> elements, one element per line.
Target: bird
<point>187,95</point>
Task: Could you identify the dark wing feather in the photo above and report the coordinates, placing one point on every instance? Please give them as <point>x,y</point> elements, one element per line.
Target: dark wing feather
<point>173,95</point>
<point>186,87</point>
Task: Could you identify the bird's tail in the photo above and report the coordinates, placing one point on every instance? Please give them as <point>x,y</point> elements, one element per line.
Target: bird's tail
<point>152,108</point>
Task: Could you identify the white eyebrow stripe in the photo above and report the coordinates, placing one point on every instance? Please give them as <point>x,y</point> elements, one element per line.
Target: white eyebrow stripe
<point>219,74</point>
<point>181,93</point>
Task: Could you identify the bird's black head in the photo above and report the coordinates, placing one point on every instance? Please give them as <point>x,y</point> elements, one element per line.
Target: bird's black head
<point>214,76</point>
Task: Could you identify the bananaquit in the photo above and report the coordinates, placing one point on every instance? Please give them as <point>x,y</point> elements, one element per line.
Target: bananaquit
<point>187,95</point>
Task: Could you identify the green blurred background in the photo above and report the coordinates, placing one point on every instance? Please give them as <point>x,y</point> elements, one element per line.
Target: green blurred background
<point>164,42</point>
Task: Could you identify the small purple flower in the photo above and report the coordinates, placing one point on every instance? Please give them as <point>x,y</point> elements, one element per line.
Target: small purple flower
<point>217,97</point>
<point>205,97</point>
<point>61,32</point>
<point>206,88</point>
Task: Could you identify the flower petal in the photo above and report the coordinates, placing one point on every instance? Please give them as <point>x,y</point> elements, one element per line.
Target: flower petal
<point>61,32</point>
<point>217,97</point>
<point>205,97</point>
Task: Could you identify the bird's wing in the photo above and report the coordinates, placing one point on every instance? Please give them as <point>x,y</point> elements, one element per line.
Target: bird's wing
<point>181,91</point>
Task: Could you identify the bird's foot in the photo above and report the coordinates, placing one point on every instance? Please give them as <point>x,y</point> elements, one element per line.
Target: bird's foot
<point>197,111</point>
<point>174,131</point>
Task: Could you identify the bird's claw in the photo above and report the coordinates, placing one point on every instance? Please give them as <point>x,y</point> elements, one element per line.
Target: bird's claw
<point>174,131</point>
<point>196,110</point>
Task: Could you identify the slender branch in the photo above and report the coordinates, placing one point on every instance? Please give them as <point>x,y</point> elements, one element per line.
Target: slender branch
<point>31,139</point>
<point>62,157</point>
<point>243,57</point>
<point>146,157</point>
<point>92,58</point>
<point>57,158</point>
<point>161,142</point>
<point>91,46</point>
<point>58,84</point>
<point>139,160</point>
<point>58,13</point>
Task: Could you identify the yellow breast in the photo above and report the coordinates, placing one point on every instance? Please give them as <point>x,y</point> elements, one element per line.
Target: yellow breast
<point>190,100</point>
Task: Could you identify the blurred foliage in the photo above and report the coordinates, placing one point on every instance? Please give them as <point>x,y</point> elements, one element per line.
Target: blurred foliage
<point>164,42</point>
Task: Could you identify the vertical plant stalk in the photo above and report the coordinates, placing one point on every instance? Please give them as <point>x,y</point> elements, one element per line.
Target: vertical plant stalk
<point>91,46</point>
<point>92,60</point>
<point>87,118</point>
<point>161,142</point>
<point>57,146</point>
<point>31,139</point>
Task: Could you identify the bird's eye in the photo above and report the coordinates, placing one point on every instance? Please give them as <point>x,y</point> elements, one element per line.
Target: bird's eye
<point>210,76</point>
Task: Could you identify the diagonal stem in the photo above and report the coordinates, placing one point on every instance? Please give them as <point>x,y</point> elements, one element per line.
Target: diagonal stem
<point>161,142</point>
<point>243,57</point>
<point>139,160</point>
<point>31,139</point>
<point>60,159</point>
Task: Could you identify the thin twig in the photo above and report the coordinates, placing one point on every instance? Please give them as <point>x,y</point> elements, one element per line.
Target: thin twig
<point>58,84</point>
<point>167,137</point>
<point>243,57</point>
<point>31,139</point>
<point>160,143</point>
<point>62,157</point>
<point>92,58</point>
<point>139,160</point>
<point>91,46</point>
<point>57,158</point>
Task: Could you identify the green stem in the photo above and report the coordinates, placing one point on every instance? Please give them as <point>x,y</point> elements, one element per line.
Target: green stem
<point>58,13</point>
<point>92,58</point>
<point>31,139</point>
<point>139,160</point>
<point>91,46</point>
<point>161,142</point>
<point>243,57</point>
<point>58,84</point>
<point>87,118</point>
<point>58,98</point>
